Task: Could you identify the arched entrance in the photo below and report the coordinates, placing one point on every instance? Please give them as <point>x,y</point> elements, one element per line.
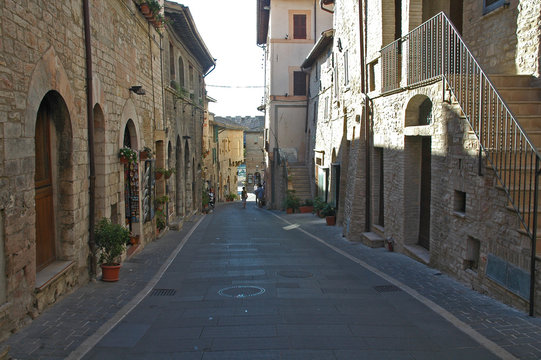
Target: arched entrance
<point>99,153</point>
<point>131,178</point>
<point>53,151</point>
<point>178,178</point>
<point>418,173</point>
<point>188,191</point>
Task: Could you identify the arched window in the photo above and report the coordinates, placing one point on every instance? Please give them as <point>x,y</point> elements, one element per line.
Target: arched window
<point>180,71</point>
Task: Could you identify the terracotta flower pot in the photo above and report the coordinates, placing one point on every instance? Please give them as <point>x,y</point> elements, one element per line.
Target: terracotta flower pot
<point>158,175</point>
<point>289,210</point>
<point>331,220</point>
<point>306,209</point>
<point>110,272</point>
<point>145,9</point>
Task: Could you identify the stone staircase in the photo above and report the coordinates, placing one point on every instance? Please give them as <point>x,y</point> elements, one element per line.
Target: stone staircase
<point>524,101</point>
<point>299,180</point>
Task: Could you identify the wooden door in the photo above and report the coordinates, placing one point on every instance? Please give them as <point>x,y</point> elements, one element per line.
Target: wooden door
<point>45,224</point>
<point>424,216</point>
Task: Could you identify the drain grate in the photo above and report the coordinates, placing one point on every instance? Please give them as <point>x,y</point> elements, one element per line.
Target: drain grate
<point>386,288</point>
<point>241,291</point>
<point>163,292</point>
<point>296,274</point>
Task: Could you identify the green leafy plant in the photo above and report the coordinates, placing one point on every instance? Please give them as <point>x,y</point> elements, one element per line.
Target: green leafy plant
<point>160,220</point>
<point>292,201</point>
<point>231,196</point>
<point>160,200</point>
<point>308,202</point>
<point>166,172</point>
<point>205,198</point>
<point>328,210</point>
<point>111,240</point>
<point>147,151</point>
<point>318,203</point>
<point>127,153</point>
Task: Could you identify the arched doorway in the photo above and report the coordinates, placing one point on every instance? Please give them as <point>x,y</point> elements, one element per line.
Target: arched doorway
<point>418,165</point>
<point>131,179</point>
<point>188,191</point>
<point>99,153</point>
<point>53,151</point>
<point>178,178</point>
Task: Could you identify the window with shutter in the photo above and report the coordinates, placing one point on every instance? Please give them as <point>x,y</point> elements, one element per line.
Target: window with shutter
<point>299,83</point>
<point>489,5</point>
<point>299,26</point>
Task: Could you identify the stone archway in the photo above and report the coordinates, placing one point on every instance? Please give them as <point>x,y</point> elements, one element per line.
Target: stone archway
<point>53,170</point>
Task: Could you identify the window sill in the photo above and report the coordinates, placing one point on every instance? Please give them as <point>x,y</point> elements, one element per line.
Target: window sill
<point>52,272</point>
<point>459,214</point>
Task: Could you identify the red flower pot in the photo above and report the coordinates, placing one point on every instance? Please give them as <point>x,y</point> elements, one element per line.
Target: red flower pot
<point>110,272</point>
<point>331,220</point>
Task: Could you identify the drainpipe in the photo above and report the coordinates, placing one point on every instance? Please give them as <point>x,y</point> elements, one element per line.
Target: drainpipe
<point>362,41</point>
<point>90,124</point>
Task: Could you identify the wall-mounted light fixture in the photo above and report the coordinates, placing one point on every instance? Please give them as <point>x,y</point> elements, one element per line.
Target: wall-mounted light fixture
<point>138,89</point>
<point>186,137</point>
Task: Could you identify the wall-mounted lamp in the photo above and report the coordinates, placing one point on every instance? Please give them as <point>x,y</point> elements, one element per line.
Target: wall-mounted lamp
<point>186,137</point>
<point>138,89</point>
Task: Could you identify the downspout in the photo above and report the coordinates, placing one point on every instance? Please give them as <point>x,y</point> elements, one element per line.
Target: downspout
<point>90,125</point>
<point>362,52</point>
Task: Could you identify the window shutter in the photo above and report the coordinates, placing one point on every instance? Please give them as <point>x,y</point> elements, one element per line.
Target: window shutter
<point>299,26</point>
<point>299,83</point>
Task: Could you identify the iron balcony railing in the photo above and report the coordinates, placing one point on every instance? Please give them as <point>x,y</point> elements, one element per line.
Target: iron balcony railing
<point>435,50</point>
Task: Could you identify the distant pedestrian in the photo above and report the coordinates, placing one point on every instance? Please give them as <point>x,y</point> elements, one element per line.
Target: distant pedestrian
<point>244,196</point>
<point>258,195</point>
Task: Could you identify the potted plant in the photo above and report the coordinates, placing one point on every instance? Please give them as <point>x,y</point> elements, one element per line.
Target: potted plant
<point>291,202</point>
<point>146,153</point>
<point>164,172</point>
<point>307,207</point>
<point>205,199</point>
<point>160,200</point>
<point>111,240</point>
<point>127,155</point>
<point>318,205</point>
<point>330,214</point>
<point>230,197</point>
<point>160,221</point>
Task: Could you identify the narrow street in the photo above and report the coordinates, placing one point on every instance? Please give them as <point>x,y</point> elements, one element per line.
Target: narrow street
<point>248,286</point>
<point>259,284</point>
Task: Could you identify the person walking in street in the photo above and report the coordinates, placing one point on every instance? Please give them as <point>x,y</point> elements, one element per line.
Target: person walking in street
<point>244,196</point>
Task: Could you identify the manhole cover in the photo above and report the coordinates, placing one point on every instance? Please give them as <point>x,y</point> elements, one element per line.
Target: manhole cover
<point>241,291</point>
<point>163,292</point>
<point>386,288</point>
<point>295,274</point>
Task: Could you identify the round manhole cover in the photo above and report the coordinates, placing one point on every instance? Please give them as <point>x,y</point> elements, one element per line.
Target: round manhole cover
<point>239,292</point>
<point>295,274</point>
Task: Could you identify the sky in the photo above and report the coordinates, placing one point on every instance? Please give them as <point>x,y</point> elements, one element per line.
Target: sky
<point>228,29</point>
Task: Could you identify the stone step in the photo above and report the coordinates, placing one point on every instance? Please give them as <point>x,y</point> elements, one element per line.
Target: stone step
<point>510,94</point>
<point>525,107</point>
<point>503,80</point>
<point>372,240</point>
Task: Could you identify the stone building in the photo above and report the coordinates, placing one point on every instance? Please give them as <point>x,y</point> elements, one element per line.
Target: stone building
<point>186,63</point>
<point>230,156</point>
<point>79,81</point>
<point>432,130</point>
<point>210,172</point>
<point>287,30</point>
<point>254,149</point>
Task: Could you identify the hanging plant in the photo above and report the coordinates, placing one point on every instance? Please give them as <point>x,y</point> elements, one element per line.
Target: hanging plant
<point>127,155</point>
<point>165,172</point>
<point>146,153</point>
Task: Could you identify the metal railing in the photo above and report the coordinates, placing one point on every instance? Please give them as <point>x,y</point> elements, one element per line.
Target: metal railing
<point>435,50</point>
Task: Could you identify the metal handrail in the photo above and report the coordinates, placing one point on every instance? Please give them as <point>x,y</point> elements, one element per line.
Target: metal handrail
<point>434,50</point>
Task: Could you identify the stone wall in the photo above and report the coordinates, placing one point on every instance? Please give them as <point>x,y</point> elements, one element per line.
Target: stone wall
<point>42,53</point>
<point>470,223</point>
